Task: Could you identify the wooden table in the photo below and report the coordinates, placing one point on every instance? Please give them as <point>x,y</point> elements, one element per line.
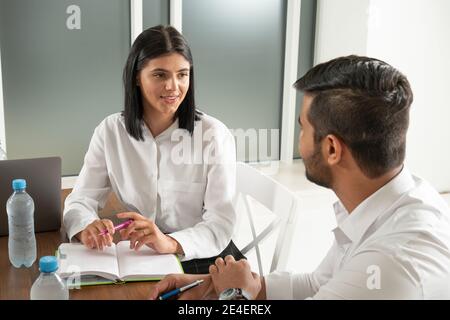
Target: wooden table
<point>16,283</point>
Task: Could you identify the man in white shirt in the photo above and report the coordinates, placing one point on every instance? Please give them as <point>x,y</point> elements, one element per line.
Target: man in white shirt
<point>392,239</point>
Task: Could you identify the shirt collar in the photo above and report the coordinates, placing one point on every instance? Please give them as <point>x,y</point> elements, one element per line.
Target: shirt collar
<point>163,135</point>
<point>351,227</point>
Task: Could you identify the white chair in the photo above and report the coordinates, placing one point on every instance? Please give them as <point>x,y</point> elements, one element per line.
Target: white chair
<point>257,190</point>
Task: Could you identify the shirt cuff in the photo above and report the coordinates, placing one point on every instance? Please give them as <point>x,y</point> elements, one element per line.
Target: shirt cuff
<point>73,225</point>
<point>279,286</point>
<point>184,242</point>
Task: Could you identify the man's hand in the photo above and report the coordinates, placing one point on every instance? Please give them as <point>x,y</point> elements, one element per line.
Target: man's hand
<point>229,273</point>
<point>90,235</point>
<point>144,231</point>
<point>203,291</point>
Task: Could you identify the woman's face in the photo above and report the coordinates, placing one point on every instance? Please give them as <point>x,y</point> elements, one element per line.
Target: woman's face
<point>164,82</point>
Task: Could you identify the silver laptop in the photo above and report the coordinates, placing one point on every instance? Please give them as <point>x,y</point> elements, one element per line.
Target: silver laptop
<point>43,176</point>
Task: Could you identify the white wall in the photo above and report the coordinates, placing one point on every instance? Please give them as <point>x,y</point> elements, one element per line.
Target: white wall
<point>413,36</point>
<point>336,34</point>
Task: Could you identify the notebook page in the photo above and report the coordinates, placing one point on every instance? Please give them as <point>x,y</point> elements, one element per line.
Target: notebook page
<point>145,263</point>
<point>75,256</point>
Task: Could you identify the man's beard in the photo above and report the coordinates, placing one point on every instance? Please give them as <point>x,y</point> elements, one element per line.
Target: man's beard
<point>316,170</point>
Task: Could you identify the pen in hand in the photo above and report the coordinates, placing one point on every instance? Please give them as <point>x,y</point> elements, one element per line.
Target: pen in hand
<point>172,293</point>
<point>121,226</point>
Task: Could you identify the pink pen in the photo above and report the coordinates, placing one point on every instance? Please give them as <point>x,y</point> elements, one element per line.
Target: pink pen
<point>121,226</point>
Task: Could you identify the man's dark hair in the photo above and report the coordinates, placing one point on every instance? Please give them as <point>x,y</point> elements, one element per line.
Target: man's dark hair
<point>365,102</point>
<point>152,43</point>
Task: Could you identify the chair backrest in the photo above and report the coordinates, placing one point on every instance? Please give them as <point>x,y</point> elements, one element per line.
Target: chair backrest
<point>252,185</point>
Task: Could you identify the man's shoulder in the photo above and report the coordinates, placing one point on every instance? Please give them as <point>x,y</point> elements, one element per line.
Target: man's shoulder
<point>421,209</point>
<point>417,231</point>
<point>420,213</point>
<point>428,196</point>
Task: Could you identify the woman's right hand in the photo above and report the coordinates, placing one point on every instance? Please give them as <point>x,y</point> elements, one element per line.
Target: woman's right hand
<point>90,235</point>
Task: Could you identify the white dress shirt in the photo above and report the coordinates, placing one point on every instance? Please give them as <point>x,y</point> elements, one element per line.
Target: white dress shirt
<point>184,184</point>
<point>394,245</point>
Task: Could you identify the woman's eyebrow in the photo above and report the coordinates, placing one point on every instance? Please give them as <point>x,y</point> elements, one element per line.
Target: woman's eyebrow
<point>164,70</point>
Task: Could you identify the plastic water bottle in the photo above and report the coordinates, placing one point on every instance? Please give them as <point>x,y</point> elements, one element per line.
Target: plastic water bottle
<point>49,286</point>
<point>2,153</point>
<point>21,241</point>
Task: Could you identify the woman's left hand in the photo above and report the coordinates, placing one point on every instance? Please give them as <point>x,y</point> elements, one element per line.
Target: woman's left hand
<point>144,231</point>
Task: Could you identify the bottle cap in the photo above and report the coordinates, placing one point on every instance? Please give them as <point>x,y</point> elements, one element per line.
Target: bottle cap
<point>48,264</point>
<point>19,184</point>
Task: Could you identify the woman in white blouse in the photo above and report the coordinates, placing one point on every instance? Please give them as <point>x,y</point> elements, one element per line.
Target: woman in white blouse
<point>172,166</point>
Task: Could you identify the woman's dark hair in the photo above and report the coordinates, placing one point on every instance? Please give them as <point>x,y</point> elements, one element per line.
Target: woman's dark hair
<point>365,102</point>
<point>152,43</point>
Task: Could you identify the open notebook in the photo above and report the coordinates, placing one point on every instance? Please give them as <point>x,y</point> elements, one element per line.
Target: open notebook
<point>118,263</point>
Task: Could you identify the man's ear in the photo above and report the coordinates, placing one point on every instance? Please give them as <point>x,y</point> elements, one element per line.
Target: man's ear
<point>332,148</point>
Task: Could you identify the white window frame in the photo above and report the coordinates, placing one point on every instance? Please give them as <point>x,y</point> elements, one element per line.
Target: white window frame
<point>2,113</point>
<point>136,19</point>
<point>290,76</point>
<point>176,14</point>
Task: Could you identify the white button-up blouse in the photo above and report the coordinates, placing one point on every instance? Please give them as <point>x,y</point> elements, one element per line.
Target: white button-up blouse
<point>184,183</point>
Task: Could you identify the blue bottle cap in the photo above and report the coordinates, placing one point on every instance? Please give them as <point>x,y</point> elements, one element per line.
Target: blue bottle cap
<point>48,264</point>
<point>19,184</point>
